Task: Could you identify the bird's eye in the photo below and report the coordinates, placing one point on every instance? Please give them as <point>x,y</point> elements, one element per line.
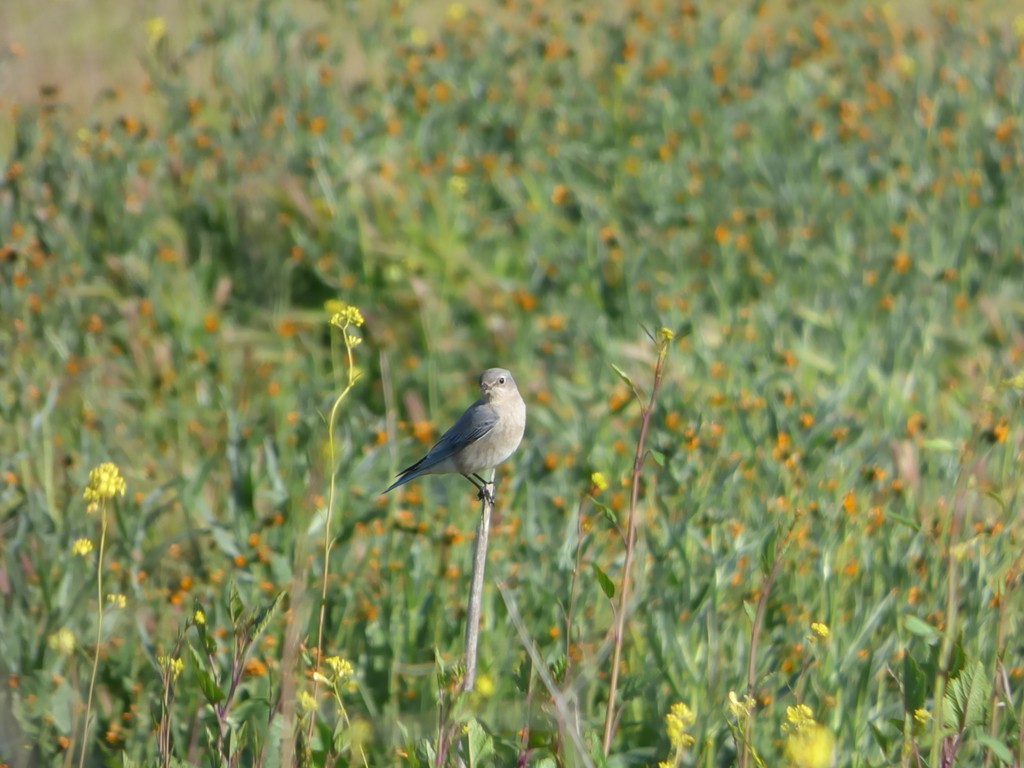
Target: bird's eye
<point>501,380</point>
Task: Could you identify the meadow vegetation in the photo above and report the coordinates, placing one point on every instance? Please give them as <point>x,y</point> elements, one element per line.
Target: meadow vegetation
<point>236,301</point>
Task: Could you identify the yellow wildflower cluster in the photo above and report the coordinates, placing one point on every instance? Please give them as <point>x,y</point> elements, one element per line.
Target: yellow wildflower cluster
<point>677,722</point>
<point>344,314</point>
<point>105,482</point>
<point>340,674</point>
<point>171,665</point>
<point>62,641</point>
<point>740,708</point>
<point>808,743</point>
<point>820,631</point>
<point>306,702</point>
<point>81,547</point>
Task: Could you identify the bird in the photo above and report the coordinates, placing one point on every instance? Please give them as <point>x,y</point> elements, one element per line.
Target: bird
<point>484,436</point>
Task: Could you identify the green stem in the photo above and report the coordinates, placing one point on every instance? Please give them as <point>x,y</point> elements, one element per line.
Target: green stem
<point>352,376</point>
<point>99,631</point>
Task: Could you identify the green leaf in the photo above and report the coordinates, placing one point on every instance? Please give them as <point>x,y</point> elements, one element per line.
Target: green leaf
<point>624,376</point>
<point>750,610</point>
<point>768,552</point>
<point>263,617</point>
<point>658,456</point>
<point>916,626</point>
<point>607,511</point>
<point>903,520</point>
<point>915,685</point>
<point>939,444</point>
<point>997,748</point>
<point>965,700</point>
<point>523,674</point>
<point>235,605</point>
<point>602,578</point>
<point>212,692</point>
<point>479,744</point>
<point>884,742</point>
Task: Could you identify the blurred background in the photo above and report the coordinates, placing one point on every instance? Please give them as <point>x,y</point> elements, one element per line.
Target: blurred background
<point>822,202</point>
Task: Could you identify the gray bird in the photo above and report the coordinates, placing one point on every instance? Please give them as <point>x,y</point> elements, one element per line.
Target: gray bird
<point>484,436</point>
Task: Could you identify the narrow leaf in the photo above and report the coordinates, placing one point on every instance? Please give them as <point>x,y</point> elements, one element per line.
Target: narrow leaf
<point>263,617</point>
<point>602,578</point>
<point>997,748</point>
<point>916,626</point>
<point>212,692</point>
<point>235,604</point>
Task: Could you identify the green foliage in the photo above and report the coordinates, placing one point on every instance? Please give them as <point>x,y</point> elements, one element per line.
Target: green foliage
<point>823,201</point>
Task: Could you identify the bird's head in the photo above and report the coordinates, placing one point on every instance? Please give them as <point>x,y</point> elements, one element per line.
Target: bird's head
<point>496,384</point>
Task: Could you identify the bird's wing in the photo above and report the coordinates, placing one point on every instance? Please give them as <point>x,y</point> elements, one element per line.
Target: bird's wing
<point>477,421</point>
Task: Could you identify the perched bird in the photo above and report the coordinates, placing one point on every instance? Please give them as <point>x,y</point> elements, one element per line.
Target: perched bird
<point>484,436</point>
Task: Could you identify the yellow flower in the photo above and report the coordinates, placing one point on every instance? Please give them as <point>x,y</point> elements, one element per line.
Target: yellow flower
<point>347,315</point>
<point>306,702</point>
<point>171,664</point>
<point>820,630</point>
<point>798,718</point>
<point>199,617</point>
<point>458,185</point>
<point>484,686</point>
<point>105,482</point>
<point>340,668</point>
<point>666,334</point>
<point>679,718</point>
<point>905,64</point>
<point>740,707</point>
<point>813,746</point>
<point>456,12</point>
<point>599,481</point>
<point>1018,26</point>
<point>922,716</point>
<point>81,547</point>
<point>419,37</point>
<point>1016,382</point>
<point>156,28</point>
<point>117,600</point>
<point>62,641</point>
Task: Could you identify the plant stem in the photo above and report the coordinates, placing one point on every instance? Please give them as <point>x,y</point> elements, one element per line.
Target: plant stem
<point>99,632</point>
<point>352,376</point>
<point>571,610</point>
<point>620,613</point>
<point>476,585</point>
<point>755,634</point>
<point>949,630</point>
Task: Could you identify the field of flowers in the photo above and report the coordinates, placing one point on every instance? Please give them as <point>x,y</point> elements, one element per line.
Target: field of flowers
<point>758,269</point>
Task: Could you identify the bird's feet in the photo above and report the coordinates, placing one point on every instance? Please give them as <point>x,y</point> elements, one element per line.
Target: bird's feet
<point>485,489</point>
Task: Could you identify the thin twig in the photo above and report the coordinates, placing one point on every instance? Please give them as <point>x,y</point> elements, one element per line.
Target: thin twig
<point>571,609</point>
<point>638,463</point>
